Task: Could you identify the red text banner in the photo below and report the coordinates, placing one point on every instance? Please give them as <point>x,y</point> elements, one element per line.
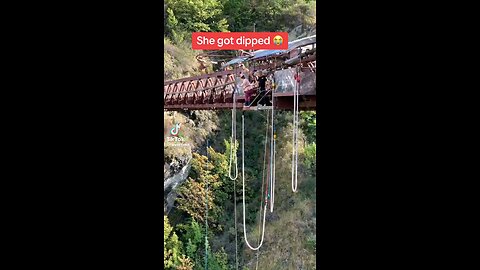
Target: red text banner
<point>240,40</point>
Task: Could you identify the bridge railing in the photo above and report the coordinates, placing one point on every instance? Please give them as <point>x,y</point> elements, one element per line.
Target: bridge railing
<point>218,87</point>
<point>285,81</point>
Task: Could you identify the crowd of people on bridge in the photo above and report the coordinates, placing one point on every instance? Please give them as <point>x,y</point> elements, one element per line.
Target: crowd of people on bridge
<point>256,83</point>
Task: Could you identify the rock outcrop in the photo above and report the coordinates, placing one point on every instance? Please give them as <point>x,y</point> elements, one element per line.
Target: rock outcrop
<point>175,173</point>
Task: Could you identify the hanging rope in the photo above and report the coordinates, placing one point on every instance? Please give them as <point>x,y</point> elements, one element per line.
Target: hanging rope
<point>272,159</point>
<point>274,136</point>
<point>263,183</point>
<point>233,155</point>
<point>233,141</point>
<point>206,214</point>
<point>243,180</point>
<point>295,132</point>
<point>235,210</point>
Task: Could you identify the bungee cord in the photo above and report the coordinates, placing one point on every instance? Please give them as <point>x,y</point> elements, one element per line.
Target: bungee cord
<point>271,193</point>
<point>233,155</point>
<point>243,188</point>
<point>295,133</point>
<point>233,141</point>
<point>206,215</point>
<point>272,159</point>
<point>263,183</point>
<point>235,222</point>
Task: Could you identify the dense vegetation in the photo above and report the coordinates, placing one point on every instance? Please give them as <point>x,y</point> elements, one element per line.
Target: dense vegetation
<point>290,235</point>
<point>185,16</point>
<point>294,214</point>
<point>182,17</point>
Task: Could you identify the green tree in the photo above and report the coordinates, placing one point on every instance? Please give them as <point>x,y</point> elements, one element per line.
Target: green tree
<point>299,13</point>
<point>192,194</point>
<point>272,15</point>
<point>221,259</point>
<point>308,124</point>
<point>310,157</point>
<point>186,16</point>
<point>185,263</point>
<point>171,246</point>
<point>193,235</point>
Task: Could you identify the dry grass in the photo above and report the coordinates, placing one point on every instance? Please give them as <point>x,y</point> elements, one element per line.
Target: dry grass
<point>289,238</point>
<point>180,61</point>
<point>194,132</point>
<point>291,230</point>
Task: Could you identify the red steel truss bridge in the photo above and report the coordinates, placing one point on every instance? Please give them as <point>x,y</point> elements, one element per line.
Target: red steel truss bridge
<point>214,91</point>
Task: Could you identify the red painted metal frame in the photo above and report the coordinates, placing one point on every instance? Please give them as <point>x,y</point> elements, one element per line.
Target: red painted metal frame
<point>282,102</point>
<point>215,91</point>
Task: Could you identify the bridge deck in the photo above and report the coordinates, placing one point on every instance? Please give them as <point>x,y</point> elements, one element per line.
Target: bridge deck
<point>283,101</point>
<point>215,91</point>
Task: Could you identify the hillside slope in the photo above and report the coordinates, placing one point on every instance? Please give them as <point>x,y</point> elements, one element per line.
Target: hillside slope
<point>290,231</point>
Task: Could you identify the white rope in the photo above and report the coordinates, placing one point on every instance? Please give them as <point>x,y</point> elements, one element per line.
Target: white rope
<point>263,183</point>
<point>233,142</point>
<point>243,180</point>
<point>206,214</point>
<point>272,159</point>
<point>295,136</point>
<point>235,210</point>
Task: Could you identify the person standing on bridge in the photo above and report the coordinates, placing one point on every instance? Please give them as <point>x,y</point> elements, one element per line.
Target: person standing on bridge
<point>202,64</point>
<point>243,69</point>
<point>262,84</point>
<point>262,81</point>
<point>247,89</point>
